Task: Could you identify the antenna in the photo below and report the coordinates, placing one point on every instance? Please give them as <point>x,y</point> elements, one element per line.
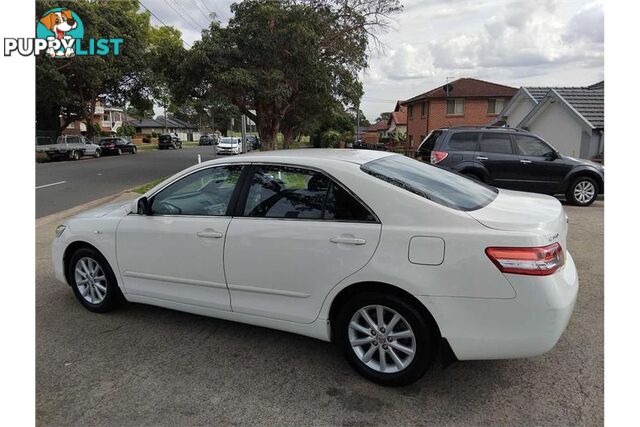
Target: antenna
<point>447,87</point>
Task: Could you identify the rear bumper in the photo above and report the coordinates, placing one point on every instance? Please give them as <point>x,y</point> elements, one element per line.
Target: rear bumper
<point>528,325</point>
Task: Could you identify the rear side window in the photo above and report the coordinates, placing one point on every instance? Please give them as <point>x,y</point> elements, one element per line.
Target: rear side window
<point>342,206</point>
<point>430,143</point>
<point>464,141</point>
<point>530,146</point>
<point>496,143</point>
<point>433,183</point>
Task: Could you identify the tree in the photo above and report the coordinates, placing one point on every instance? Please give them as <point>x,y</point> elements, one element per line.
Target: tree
<point>383,117</point>
<point>274,53</point>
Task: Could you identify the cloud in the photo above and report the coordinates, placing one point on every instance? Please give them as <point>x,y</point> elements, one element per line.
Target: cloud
<point>587,25</point>
<point>406,62</point>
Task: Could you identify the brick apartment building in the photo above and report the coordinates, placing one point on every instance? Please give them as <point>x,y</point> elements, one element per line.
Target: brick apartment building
<point>465,101</point>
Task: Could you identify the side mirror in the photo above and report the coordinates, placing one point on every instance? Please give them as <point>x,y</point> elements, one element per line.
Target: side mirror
<point>552,155</point>
<point>142,206</point>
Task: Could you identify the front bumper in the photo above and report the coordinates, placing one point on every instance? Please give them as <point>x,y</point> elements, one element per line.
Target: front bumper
<point>57,256</point>
<point>527,325</point>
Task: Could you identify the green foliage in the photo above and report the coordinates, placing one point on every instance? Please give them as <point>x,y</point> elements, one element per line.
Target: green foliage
<point>126,130</point>
<point>330,139</point>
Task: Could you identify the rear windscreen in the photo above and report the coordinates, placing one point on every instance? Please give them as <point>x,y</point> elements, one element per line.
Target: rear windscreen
<point>430,142</point>
<point>441,186</point>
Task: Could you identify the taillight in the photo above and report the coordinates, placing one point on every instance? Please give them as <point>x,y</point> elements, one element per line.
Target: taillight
<point>538,261</point>
<point>438,156</point>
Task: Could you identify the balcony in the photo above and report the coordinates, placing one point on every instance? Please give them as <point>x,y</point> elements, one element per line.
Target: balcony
<point>99,110</point>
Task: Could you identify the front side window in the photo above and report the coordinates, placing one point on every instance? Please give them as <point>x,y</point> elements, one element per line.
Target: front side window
<point>203,193</point>
<point>297,193</point>
<point>432,183</point>
<point>464,141</point>
<point>530,146</point>
<point>455,107</point>
<point>499,143</point>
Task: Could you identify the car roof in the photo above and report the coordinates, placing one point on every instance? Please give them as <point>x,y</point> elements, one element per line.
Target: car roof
<point>305,155</point>
<point>485,129</point>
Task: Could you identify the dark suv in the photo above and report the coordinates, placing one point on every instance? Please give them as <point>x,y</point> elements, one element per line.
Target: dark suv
<point>514,159</point>
<point>168,141</point>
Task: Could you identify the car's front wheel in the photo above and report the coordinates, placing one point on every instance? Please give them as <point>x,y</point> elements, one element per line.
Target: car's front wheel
<point>386,338</point>
<point>583,191</point>
<point>93,281</point>
<point>96,154</point>
<point>134,150</point>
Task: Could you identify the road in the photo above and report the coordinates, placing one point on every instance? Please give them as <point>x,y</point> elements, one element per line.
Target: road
<point>146,365</point>
<point>63,185</point>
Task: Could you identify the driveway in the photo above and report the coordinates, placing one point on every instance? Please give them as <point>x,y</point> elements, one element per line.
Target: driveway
<point>152,366</point>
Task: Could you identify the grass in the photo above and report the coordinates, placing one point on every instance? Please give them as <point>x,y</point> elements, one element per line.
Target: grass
<point>148,186</point>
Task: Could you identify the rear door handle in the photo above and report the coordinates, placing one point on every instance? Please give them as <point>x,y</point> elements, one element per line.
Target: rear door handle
<point>348,240</point>
<point>209,233</point>
<point>482,158</point>
<point>526,162</point>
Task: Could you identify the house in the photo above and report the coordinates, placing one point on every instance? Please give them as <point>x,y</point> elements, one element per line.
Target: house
<point>569,118</point>
<point>108,119</point>
<point>397,123</point>
<point>374,133</point>
<point>147,126</point>
<point>185,131</point>
<point>464,101</point>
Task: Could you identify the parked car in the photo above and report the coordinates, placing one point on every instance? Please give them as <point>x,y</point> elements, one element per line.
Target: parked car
<point>206,140</point>
<point>253,142</point>
<point>513,159</point>
<point>167,141</point>
<point>229,145</point>
<point>339,250</point>
<point>117,146</point>
<point>68,147</point>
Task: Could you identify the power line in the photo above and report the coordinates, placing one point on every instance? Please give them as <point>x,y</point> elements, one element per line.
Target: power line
<point>207,17</point>
<point>195,27</point>
<point>187,14</point>
<point>160,20</point>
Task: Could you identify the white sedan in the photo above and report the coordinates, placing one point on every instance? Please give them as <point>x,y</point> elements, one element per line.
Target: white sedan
<point>395,260</point>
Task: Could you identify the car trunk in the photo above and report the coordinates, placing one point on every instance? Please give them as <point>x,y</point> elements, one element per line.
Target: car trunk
<point>519,211</point>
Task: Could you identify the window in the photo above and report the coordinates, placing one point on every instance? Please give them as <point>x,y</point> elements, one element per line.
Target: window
<point>429,144</point>
<point>296,193</point>
<point>343,206</point>
<point>410,110</point>
<point>455,107</point>
<point>495,105</point>
<point>286,192</point>
<point>496,143</point>
<point>423,109</point>
<point>410,140</point>
<point>464,141</point>
<point>441,186</point>
<point>206,192</point>
<point>530,146</point>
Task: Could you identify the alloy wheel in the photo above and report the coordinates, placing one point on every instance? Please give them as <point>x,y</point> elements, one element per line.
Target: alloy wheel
<point>382,339</point>
<point>91,280</point>
<point>584,191</point>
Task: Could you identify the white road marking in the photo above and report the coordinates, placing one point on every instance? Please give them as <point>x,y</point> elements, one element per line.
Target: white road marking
<point>49,185</point>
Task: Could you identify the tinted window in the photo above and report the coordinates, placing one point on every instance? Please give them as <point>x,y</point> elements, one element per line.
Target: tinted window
<point>343,206</point>
<point>206,192</point>
<point>447,188</point>
<point>464,141</point>
<point>430,142</point>
<point>530,146</point>
<point>286,192</point>
<point>496,143</point>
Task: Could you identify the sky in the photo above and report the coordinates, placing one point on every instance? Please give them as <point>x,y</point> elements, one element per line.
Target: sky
<point>511,42</point>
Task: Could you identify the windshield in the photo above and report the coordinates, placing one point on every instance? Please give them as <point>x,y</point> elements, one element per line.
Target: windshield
<point>443,187</point>
<point>228,141</point>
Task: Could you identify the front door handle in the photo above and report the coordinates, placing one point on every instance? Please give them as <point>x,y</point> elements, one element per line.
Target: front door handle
<point>526,162</point>
<point>348,240</point>
<point>209,233</point>
<point>482,158</point>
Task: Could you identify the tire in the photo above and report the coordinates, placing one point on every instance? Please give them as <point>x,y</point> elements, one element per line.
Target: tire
<point>75,155</point>
<point>105,294</point>
<point>119,151</point>
<point>423,341</point>
<point>180,146</point>
<point>583,191</point>
<point>96,155</point>
<point>134,150</point>
<point>473,176</point>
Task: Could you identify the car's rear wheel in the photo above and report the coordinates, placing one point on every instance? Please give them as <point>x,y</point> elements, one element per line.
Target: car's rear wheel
<point>473,176</point>
<point>386,338</point>
<point>75,155</point>
<point>93,281</point>
<point>583,191</point>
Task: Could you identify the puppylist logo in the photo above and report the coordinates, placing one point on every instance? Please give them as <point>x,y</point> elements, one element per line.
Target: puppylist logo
<point>60,34</point>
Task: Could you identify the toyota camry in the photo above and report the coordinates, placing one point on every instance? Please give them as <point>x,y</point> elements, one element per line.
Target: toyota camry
<point>398,262</point>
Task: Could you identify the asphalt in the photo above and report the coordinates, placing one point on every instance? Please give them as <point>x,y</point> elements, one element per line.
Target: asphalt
<point>143,365</point>
<point>66,184</point>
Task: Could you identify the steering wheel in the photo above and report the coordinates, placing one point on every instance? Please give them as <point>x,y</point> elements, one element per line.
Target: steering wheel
<point>167,208</point>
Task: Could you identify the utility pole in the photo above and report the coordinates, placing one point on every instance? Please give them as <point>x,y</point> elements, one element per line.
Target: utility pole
<point>357,125</point>
<point>165,117</point>
<point>243,131</point>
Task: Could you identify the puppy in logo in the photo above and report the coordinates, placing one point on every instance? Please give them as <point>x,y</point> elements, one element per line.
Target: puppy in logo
<point>59,23</point>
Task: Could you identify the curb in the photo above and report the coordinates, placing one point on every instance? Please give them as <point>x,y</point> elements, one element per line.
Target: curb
<point>77,209</point>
